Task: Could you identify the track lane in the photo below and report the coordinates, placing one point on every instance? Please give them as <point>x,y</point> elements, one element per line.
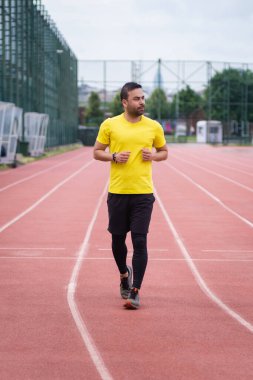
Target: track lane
<point>212,196</point>
<point>9,176</point>
<point>38,335</point>
<point>238,157</point>
<point>177,333</point>
<point>240,179</point>
<point>204,225</point>
<point>219,164</point>
<point>232,195</point>
<point>22,196</point>
<point>20,177</point>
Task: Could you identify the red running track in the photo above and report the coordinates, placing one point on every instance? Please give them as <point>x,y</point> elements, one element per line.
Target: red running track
<point>61,314</point>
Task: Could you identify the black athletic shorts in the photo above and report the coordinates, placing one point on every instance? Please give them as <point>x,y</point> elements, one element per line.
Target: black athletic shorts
<point>129,212</point>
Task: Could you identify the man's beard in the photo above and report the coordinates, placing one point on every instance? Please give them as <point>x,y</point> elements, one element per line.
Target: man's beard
<point>135,112</point>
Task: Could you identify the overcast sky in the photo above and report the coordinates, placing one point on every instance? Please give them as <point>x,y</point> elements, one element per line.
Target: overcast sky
<point>215,30</point>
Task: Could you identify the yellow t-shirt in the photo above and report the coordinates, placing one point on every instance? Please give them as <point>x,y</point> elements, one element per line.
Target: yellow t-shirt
<point>135,176</point>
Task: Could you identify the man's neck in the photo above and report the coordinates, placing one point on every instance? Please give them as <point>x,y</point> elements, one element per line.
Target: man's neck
<point>132,119</point>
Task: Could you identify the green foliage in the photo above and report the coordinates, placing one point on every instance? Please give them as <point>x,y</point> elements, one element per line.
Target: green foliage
<point>116,105</point>
<point>184,103</point>
<point>157,105</point>
<point>94,115</point>
<point>230,95</point>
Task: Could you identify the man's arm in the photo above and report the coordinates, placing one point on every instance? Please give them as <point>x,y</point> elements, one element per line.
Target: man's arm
<point>160,154</point>
<point>99,152</point>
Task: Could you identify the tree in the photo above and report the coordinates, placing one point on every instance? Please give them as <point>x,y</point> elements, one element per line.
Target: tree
<point>116,105</point>
<point>94,113</point>
<point>229,95</point>
<point>184,103</point>
<point>157,105</point>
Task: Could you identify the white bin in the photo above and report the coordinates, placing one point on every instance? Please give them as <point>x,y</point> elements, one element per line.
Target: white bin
<point>209,131</point>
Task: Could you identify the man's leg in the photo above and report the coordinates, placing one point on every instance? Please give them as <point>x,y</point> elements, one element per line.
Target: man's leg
<point>141,210</point>
<point>140,258</point>
<point>119,250</point>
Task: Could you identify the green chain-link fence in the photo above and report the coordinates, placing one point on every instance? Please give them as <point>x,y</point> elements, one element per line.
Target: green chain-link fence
<point>38,70</point>
<point>224,90</point>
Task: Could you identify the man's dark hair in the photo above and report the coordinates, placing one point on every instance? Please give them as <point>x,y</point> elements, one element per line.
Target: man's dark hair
<point>129,86</point>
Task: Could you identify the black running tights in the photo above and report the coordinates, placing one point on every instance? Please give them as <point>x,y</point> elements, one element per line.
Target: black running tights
<point>140,255</point>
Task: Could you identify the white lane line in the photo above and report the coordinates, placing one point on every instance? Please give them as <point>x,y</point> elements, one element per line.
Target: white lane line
<point>223,156</point>
<point>31,248</point>
<point>227,250</point>
<point>208,260</point>
<point>214,173</point>
<point>150,249</point>
<point>216,199</point>
<point>87,339</point>
<point>209,161</point>
<point>201,282</point>
<point>110,258</point>
<point>29,209</point>
<point>228,159</point>
<point>38,173</point>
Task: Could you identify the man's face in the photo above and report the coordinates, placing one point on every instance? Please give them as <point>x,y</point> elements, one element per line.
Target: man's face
<point>135,104</point>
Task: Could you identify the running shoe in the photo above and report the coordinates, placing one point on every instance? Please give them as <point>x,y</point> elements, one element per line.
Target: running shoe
<point>133,301</point>
<point>126,284</point>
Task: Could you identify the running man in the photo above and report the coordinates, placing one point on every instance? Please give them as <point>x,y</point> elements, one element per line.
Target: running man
<point>134,141</point>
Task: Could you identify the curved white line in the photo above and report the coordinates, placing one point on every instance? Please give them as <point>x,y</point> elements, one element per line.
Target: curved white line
<point>29,209</point>
<point>87,339</point>
<point>216,199</point>
<point>197,275</point>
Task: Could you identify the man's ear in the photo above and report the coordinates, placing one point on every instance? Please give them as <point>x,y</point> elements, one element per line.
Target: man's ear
<point>124,103</point>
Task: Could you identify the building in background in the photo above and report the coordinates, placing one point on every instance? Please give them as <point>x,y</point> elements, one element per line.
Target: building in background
<point>38,70</point>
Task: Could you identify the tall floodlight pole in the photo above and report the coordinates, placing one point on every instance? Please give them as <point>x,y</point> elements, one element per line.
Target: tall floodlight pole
<point>178,89</point>
<point>159,85</point>
<point>159,75</point>
<point>209,77</point>
<point>245,100</point>
<point>104,91</point>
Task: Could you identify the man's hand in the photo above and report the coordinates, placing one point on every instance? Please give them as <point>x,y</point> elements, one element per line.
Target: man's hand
<point>147,154</point>
<point>160,154</point>
<point>122,157</point>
